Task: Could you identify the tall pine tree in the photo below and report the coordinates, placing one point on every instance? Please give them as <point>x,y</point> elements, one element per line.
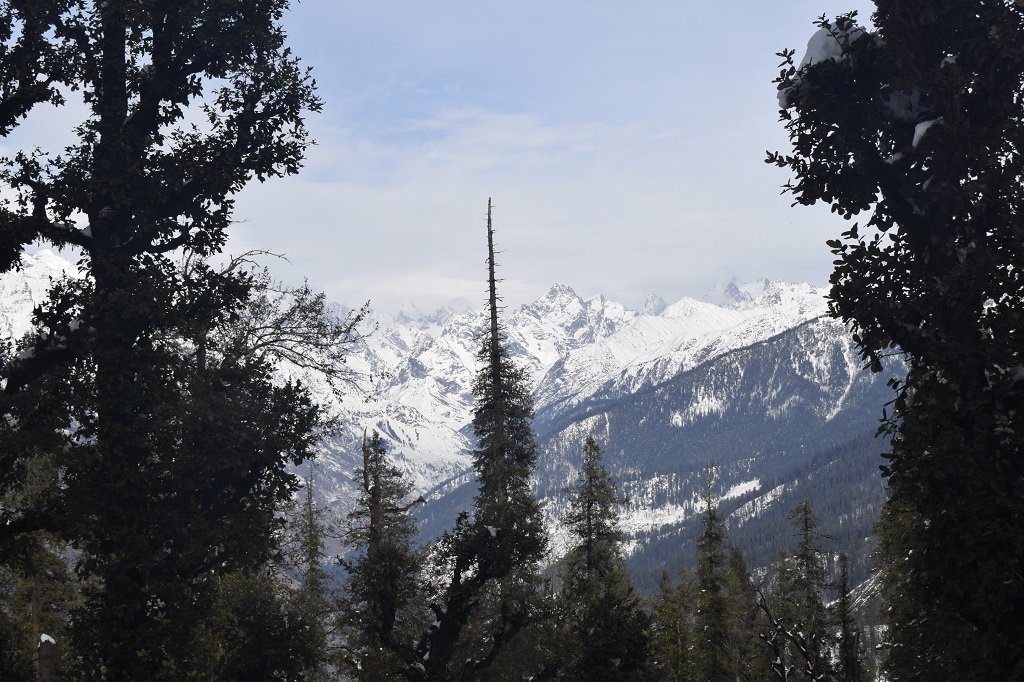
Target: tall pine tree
<point>606,622</point>
<point>490,559</point>
<point>743,620</point>
<point>849,663</point>
<point>672,633</point>
<point>376,614</point>
<point>712,658</point>
<point>796,630</point>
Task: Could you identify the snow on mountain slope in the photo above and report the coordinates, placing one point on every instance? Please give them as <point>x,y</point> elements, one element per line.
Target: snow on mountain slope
<point>578,353</point>
<point>423,405</point>
<point>653,348</point>
<point>757,381</point>
<point>21,290</point>
<point>574,349</point>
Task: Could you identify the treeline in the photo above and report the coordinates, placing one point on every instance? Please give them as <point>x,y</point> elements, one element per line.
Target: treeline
<point>718,623</point>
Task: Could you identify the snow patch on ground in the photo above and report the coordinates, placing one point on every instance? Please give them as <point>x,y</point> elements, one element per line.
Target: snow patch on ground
<point>756,506</point>
<point>741,489</point>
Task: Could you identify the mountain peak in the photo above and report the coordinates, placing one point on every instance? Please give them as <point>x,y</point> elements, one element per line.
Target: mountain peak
<point>732,294</point>
<point>560,292</point>
<point>654,305</point>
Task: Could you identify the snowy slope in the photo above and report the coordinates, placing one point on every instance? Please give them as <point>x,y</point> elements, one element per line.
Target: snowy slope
<point>423,365</point>
<point>23,289</point>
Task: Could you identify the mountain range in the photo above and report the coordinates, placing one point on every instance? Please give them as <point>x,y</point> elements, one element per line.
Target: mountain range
<point>755,382</point>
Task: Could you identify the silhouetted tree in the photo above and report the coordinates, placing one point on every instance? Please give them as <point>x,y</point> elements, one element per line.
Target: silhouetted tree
<point>917,127</point>
<point>490,559</point>
<point>171,470</point>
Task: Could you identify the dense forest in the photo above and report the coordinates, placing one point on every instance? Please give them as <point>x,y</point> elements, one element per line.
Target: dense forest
<point>153,525</point>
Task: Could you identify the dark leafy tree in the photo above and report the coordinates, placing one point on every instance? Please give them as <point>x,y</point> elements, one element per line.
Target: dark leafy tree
<point>294,326</point>
<point>272,621</point>
<point>256,628</point>
<point>377,614</point>
<point>36,56</point>
<point>171,469</point>
<point>490,559</point>
<point>606,622</point>
<point>916,129</point>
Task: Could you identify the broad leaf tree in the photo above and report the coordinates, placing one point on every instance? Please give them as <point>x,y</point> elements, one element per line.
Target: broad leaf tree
<point>913,131</point>
<point>172,462</point>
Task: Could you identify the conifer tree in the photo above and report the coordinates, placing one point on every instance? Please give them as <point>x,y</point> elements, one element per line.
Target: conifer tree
<point>799,631</point>
<point>808,591</point>
<point>311,599</point>
<point>607,625</point>
<point>37,586</point>
<point>490,559</point>
<point>711,648</point>
<point>376,614</point>
<point>850,667</point>
<point>915,130</point>
<point>743,619</point>
<point>672,633</point>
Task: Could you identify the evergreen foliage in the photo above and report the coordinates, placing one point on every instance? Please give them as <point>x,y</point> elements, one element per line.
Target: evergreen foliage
<point>918,126</point>
<point>375,606</point>
<point>492,585</point>
<point>711,651</point>
<point>672,633</point>
<point>743,619</point>
<point>37,586</point>
<point>36,57</point>
<point>312,597</point>
<point>256,628</point>
<point>605,619</point>
<point>850,665</point>
<point>798,603</point>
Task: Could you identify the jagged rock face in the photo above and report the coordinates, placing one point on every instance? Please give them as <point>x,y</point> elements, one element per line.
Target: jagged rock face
<point>758,383</point>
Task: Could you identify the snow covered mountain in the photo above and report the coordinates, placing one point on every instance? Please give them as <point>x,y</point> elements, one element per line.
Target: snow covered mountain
<point>755,381</point>
<point>761,385</point>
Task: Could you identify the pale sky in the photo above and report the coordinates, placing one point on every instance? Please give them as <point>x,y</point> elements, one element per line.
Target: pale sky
<point>623,145</point>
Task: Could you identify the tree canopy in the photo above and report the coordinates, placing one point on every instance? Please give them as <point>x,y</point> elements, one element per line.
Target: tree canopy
<point>914,130</point>
<point>172,461</point>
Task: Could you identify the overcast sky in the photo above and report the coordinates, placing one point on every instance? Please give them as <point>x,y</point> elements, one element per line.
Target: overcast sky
<point>622,143</point>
